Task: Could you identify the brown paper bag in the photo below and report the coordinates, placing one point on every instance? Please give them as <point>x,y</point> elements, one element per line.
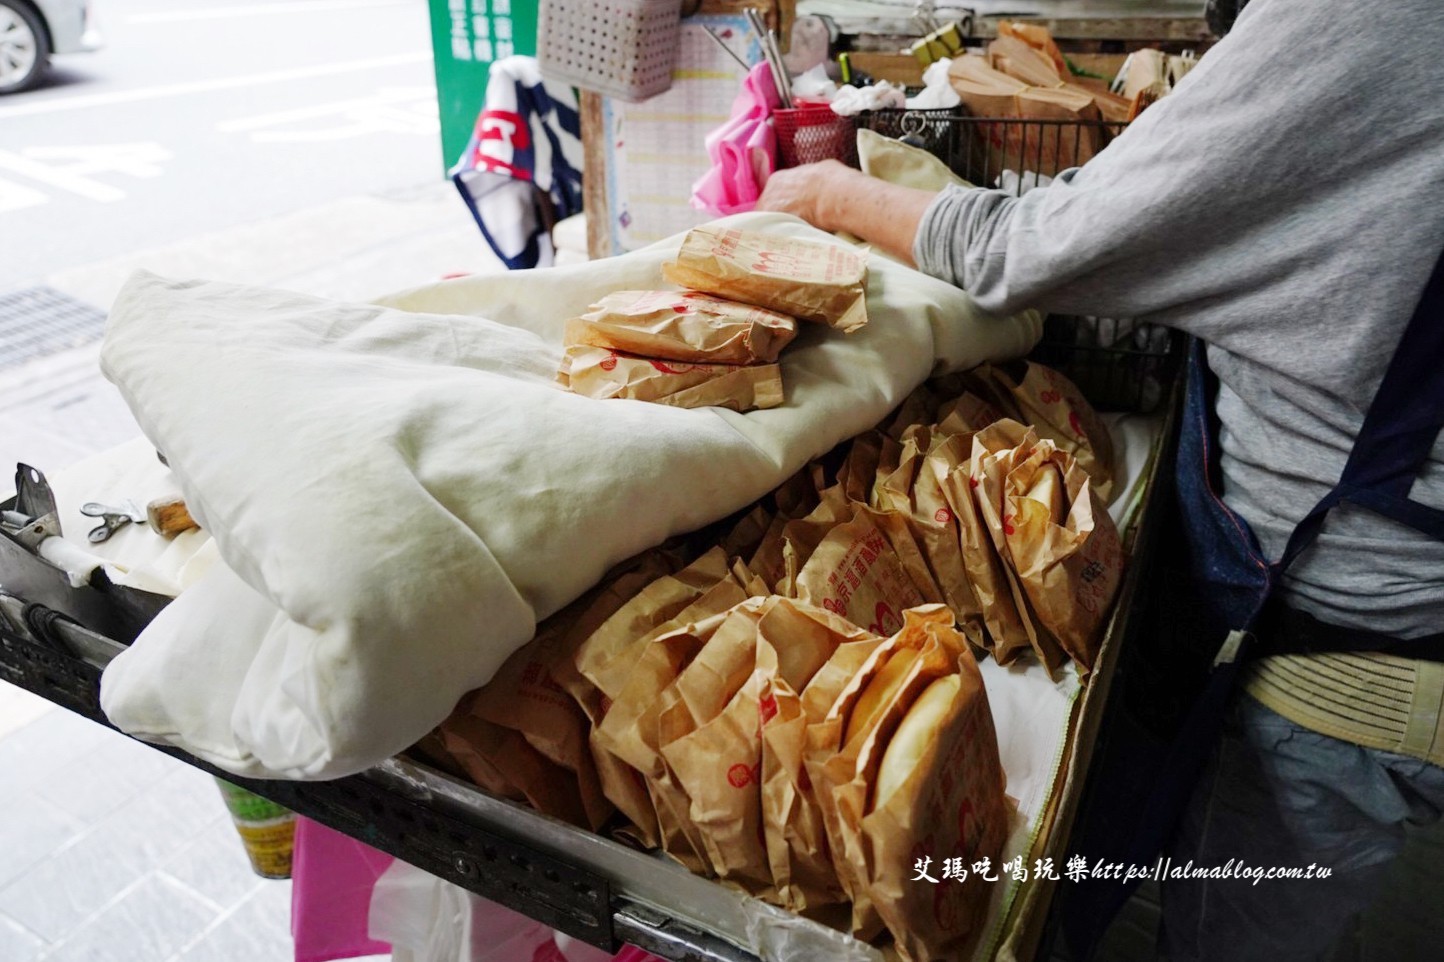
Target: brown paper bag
<point>709,740</point>
<point>966,414</point>
<point>597,372</point>
<point>803,279</point>
<point>990,93</point>
<point>791,541</point>
<point>1040,39</point>
<point>604,659</point>
<point>682,326</point>
<point>527,694</point>
<point>1004,632</point>
<point>916,491</point>
<point>630,731</point>
<point>856,572</point>
<point>826,703</point>
<point>500,761</point>
<point>1070,566</point>
<point>1027,52</point>
<point>802,640</point>
<point>951,806</point>
<point>996,451</point>
<point>1057,410</point>
<point>657,603</point>
<point>843,769</point>
<point>1013,56</point>
<point>859,469</point>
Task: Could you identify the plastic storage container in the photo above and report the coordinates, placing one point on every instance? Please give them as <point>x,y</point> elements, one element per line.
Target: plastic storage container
<point>622,48</point>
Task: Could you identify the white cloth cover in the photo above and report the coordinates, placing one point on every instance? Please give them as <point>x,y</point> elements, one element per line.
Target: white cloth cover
<point>399,491</point>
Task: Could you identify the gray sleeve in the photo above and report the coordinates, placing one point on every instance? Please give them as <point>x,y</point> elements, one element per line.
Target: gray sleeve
<point>1233,182</point>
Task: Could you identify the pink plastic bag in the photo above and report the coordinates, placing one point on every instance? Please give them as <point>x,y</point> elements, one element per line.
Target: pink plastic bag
<point>332,876</point>
<point>743,150</point>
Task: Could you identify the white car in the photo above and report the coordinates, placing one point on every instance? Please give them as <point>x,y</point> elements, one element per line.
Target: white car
<point>32,30</point>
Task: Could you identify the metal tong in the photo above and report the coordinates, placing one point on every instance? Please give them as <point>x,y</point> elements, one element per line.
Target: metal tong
<point>773,55</point>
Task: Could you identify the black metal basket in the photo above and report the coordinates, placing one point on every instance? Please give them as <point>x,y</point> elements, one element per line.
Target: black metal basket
<point>1119,365</point>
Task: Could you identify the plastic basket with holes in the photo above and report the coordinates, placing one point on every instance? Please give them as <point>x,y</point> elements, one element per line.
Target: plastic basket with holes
<point>622,48</point>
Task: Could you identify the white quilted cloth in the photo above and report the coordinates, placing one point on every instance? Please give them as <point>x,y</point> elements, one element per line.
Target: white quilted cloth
<point>399,491</point>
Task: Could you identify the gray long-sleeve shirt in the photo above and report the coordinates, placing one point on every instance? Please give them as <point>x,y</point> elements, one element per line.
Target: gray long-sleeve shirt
<point>1286,205</point>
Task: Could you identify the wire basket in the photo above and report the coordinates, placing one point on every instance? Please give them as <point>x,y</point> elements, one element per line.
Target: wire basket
<point>806,135</point>
<point>1118,364</point>
<point>622,48</point>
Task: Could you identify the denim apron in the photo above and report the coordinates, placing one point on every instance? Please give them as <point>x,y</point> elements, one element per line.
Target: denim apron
<point>1239,585</point>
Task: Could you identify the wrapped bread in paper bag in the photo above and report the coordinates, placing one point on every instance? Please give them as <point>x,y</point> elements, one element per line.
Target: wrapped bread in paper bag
<point>532,695</point>
<point>802,640</point>
<point>711,733</point>
<point>857,572</point>
<point>858,473</point>
<point>844,749</point>
<point>1004,632</point>
<point>500,761</point>
<point>967,413</point>
<point>603,662</point>
<point>791,540</point>
<point>708,664</point>
<point>826,702</point>
<point>1064,547</point>
<point>657,603</point>
<point>682,326</point>
<point>803,279</point>
<point>629,732</point>
<point>1057,410</point>
<point>627,729</point>
<point>598,372</point>
<point>938,793</point>
<point>525,696</point>
<point>998,449</point>
<point>916,491</point>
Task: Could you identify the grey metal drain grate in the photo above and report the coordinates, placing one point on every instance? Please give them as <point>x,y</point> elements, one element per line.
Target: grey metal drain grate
<point>36,321</point>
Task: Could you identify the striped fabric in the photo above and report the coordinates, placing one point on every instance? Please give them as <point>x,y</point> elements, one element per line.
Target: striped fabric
<point>1378,701</point>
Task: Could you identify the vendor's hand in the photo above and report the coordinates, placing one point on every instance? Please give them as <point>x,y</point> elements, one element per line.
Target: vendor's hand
<point>834,197</point>
<point>805,191</point>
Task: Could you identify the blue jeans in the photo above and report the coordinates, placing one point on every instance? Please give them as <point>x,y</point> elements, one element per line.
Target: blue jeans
<point>1277,794</point>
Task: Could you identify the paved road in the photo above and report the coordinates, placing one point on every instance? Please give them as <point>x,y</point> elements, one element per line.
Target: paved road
<point>204,114</point>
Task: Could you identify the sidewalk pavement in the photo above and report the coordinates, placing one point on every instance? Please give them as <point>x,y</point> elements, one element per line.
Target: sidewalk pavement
<point>111,851</point>
<point>59,409</point>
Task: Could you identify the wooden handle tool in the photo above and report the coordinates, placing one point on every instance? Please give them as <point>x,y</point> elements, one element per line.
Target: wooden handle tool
<point>168,517</point>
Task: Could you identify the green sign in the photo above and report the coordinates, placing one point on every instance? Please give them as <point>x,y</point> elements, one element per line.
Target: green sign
<point>467,36</point>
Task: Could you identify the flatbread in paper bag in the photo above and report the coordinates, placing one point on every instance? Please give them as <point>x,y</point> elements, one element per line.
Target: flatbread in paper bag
<point>399,491</point>
<point>801,279</point>
<point>599,372</point>
<point>683,326</point>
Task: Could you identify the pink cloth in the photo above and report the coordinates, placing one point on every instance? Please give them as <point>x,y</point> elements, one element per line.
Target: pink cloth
<point>743,150</point>
<point>332,876</point>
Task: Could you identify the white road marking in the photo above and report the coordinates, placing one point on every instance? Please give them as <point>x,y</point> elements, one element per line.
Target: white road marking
<point>69,168</point>
<point>261,10</point>
<point>390,95</point>
<point>397,110</point>
<point>15,196</point>
<point>164,91</point>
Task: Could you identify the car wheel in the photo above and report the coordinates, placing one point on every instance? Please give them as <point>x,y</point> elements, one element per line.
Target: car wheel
<point>24,47</point>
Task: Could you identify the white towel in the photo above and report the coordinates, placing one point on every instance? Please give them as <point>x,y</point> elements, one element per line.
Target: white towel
<point>399,491</point>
